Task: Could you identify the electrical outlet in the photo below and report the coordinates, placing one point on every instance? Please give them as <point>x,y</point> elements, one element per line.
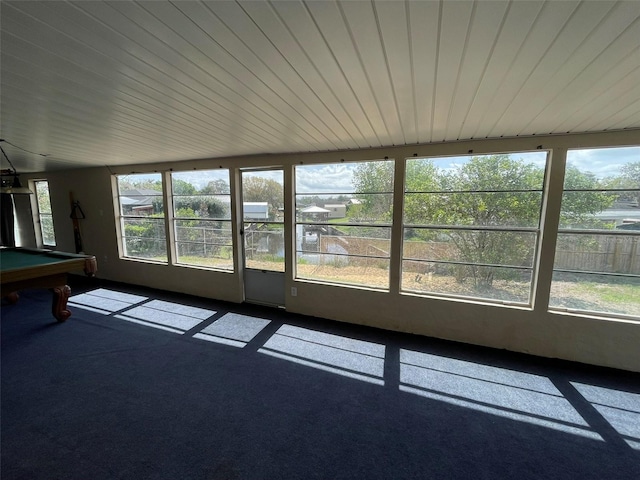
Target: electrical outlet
<point>294,292</point>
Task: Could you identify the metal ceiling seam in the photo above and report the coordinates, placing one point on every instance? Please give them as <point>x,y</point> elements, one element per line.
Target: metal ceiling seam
<point>364,70</point>
<point>185,130</point>
<point>635,110</point>
<point>570,91</point>
<point>290,63</point>
<point>435,70</point>
<point>203,98</point>
<point>344,76</point>
<point>599,89</point>
<point>412,71</point>
<point>333,91</point>
<point>318,73</point>
<point>541,58</point>
<point>303,118</point>
<point>465,49</point>
<point>508,69</point>
<point>423,33</point>
<point>124,135</point>
<point>519,15</point>
<point>394,91</point>
<point>617,105</point>
<point>133,79</point>
<point>70,62</point>
<point>571,57</point>
<point>455,15</point>
<point>481,77</point>
<point>341,44</point>
<point>235,78</point>
<point>81,125</point>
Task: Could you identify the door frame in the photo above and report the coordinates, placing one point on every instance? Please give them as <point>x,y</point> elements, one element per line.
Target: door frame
<point>262,286</point>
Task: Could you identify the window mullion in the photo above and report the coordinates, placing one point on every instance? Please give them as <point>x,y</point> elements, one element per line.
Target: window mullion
<point>169,219</point>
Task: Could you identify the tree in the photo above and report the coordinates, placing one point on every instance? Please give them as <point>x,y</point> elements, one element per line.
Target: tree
<point>491,191</point>
<point>373,183</point>
<point>580,206</point>
<point>488,193</point>
<point>200,206</point>
<point>216,187</point>
<point>259,189</point>
<point>125,184</point>
<point>44,209</point>
<point>180,187</point>
<point>631,173</point>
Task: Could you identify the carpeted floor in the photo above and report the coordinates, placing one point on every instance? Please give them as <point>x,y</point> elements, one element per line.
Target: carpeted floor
<point>144,384</point>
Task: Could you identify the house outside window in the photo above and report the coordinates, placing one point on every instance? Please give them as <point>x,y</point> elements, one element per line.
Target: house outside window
<point>344,213</point>
<point>202,218</point>
<point>597,260</point>
<point>142,215</point>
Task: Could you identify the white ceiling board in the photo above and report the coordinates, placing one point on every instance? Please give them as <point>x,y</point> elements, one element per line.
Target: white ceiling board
<point>317,64</point>
<point>454,28</point>
<point>300,72</point>
<point>364,31</point>
<point>545,29</point>
<point>393,25</point>
<point>424,33</point>
<point>112,83</point>
<point>611,44</point>
<point>330,19</point>
<point>537,89</point>
<point>250,73</point>
<point>486,25</point>
<point>260,54</point>
<point>520,17</point>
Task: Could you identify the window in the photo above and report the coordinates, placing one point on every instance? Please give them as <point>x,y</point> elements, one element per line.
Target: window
<point>343,222</point>
<point>45,218</point>
<point>597,261</point>
<point>263,219</point>
<point>471,225</point>
<point>202,218</point>
<point>141,209</point>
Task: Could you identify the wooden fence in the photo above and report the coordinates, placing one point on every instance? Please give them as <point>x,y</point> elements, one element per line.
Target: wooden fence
<point>605,253</point>
<point>599,253</point>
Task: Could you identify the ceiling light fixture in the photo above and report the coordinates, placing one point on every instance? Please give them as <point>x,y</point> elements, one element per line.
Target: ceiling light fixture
<point>10,181</point>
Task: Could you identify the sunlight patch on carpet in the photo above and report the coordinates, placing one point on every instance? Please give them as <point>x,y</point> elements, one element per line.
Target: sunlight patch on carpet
<point>233,329</point>
<point>105,301</point>
<point>172,317</point>
<point>620,409</point>
<point>507,393</point>
<point>332,353</point>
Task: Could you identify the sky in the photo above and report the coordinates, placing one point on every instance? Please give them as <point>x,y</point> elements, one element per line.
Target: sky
<point>336,177</point>
<point>603,162</point>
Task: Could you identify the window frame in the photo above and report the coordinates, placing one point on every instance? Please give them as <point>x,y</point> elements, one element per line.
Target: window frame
<point>38,215</point>
<point>316,223</point>
<point>597,232</point>
<point>120,220</point>
<point>278,221</point>
<point>173,220</point>
<point>536,230</point>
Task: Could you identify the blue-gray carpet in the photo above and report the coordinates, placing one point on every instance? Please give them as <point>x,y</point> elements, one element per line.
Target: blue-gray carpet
<point>154,385</point>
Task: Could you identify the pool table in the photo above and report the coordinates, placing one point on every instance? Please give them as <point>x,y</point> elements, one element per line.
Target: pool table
<point>22,268</point>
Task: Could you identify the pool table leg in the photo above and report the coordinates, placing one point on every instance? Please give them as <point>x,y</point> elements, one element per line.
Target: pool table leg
<point>59,305</point>
<point>13,298</point>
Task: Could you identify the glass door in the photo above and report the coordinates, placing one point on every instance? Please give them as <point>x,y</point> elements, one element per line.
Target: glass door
<point>263,232</point>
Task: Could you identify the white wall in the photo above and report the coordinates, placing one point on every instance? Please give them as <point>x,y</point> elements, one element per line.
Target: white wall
<point>593,340</point>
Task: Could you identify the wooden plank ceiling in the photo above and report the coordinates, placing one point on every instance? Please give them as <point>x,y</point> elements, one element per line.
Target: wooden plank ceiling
<point>92,83</point>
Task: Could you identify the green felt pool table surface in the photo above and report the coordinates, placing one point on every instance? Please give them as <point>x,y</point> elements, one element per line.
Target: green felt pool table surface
<point>22,268</point>
<point>11,258</point>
